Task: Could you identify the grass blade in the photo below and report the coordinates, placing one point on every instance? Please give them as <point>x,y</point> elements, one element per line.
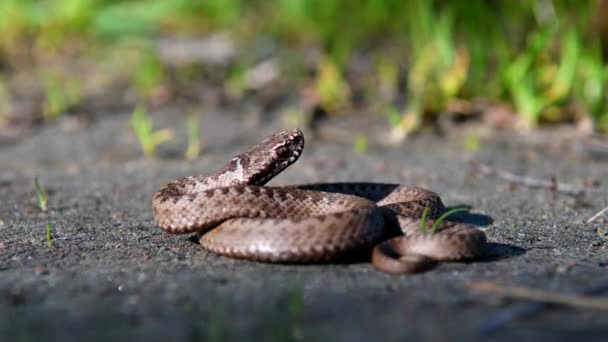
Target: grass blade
<point>423,220</point>
<point>49,237</point>
<point>42,198</point>
<point>147,137</point>
<point>444,216</point>
<point>193,149</point>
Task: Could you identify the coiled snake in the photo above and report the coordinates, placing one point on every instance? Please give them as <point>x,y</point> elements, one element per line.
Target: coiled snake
<point>236,216</point>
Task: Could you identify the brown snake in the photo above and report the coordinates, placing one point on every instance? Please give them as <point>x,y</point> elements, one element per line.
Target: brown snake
<point>236,216</point>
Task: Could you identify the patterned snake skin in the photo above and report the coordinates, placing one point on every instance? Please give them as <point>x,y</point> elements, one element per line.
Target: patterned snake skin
<point>236,216</point>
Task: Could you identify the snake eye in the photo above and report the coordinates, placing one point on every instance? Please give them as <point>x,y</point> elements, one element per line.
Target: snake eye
<point>297,140</point>
<point>282,151</point>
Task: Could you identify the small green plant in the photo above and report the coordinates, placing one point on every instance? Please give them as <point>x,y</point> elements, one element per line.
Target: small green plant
<point>539,86</point>
<point>438,221</point>
<point>218,324</point>
<point>393,117</point>
<point>5,102</point>
<point>471,143</point>
<point>49,236</point>
<point>295,308</point>
<point>387,79</point>
<point>148,75</point>
<point>360,144</point>
<point>592,91</point>
<point>60,95</point>
<point>423,219</point>
<point>148,139</point>
<point>286,324</point>
<point>42,197</point>
<point>332,89</point>
<point>193,149</point>
<point>236,83</point>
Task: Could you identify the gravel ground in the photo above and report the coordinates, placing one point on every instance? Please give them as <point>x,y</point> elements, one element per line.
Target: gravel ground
<point>111,273</point>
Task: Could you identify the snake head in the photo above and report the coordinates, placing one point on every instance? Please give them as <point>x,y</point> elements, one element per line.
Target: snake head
<point>286,147</point>
<point>266,159</point>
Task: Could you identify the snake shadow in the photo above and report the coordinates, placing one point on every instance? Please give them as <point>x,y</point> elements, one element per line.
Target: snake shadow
<point>467,217</point>
<point>494,251</point>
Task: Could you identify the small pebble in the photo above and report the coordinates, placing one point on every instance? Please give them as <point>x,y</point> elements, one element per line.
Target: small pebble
<point>40,271</point>
<point>566,267</point>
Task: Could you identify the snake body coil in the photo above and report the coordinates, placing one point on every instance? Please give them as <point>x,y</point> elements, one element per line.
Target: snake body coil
<point>236,216</point>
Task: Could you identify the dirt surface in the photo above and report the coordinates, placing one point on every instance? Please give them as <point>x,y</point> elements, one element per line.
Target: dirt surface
<point>111,273</point>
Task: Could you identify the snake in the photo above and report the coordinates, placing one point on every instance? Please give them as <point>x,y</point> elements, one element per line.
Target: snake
<point>236,215</point>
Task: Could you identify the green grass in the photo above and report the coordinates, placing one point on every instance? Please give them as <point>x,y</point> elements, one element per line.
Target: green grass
<point>49,236</point>
<point>423,220</point>
<point>542,58</point>
<point>42,204</point>
<point>360,144</point>
<point>193,149</point>
<point>286,322</point>
<point>148,138</point>
<point>42,197</point>
<point>471,143</point>
<point>218,326</point>
<point>60,95</point>
<point>438,221</point>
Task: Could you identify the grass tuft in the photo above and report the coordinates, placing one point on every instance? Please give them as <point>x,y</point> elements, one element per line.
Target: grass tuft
<point>147,137</point>
<point>544,60</point>
<point>472,143</point>
<point>444,216</point>
<point>193,149</point>
<point>423,219</point>
<point>438,221</point>
<point>42,197</point>
<point>49,236</point>
<point>360,144</point>
<point>60,95</point>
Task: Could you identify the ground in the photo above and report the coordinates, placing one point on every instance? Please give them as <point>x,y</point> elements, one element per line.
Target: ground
<point>112,273</point>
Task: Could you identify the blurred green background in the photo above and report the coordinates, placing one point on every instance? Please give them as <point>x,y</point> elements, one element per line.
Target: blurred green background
<point>532,62</point>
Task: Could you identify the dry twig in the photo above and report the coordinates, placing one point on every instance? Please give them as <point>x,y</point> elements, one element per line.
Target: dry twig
<point>538,295</point>
<point>551,184</point>
<point>600,213</point>
<point>509,314</point>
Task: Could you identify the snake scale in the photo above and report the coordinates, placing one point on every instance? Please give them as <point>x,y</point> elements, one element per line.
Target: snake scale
<point>236,216</point>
